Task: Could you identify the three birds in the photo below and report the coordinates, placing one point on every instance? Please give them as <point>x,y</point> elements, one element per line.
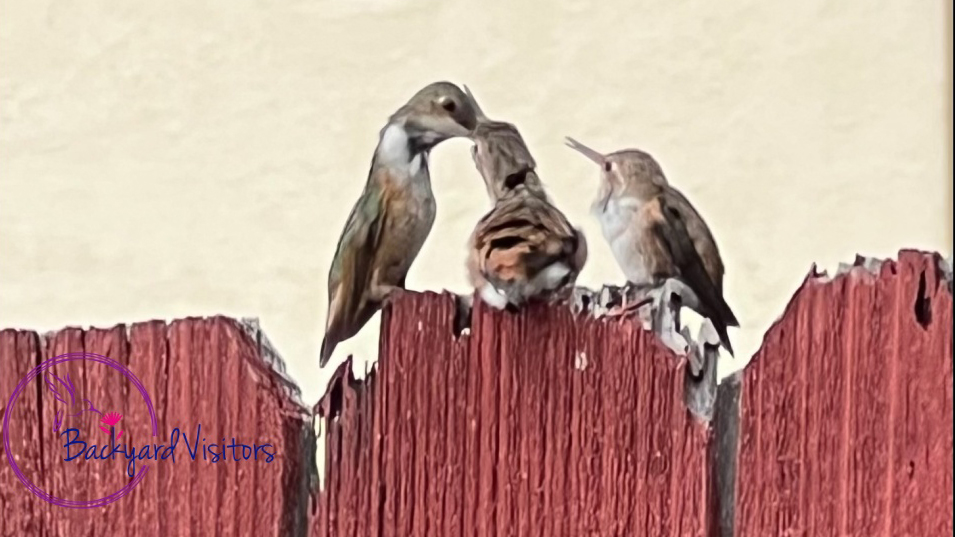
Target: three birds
<point>524,248</point>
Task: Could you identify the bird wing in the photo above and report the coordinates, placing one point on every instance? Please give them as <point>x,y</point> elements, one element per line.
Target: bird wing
<point>522,235</point>
<point>61,389</point>
<point>673,252</point>
<point>351,271</point>
<point>703,240</point>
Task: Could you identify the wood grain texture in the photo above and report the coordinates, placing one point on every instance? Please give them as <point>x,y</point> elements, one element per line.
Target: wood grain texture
<point>538,424</point>
<point>846,412</point>
<point>545,423</point>
<point>206,371</point>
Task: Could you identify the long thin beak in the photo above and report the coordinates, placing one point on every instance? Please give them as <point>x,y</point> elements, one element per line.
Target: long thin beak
<point>586,151</point>
<point>456,131</point>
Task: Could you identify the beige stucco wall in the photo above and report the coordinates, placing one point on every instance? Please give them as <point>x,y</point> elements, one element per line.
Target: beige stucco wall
<point>163,159</point>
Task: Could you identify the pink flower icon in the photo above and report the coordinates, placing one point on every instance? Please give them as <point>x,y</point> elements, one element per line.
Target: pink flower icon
<point>110,419</point>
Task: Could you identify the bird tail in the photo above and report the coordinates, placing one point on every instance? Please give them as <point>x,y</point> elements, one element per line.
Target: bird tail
<point>338,330</point>
<point>720,327</point>
<point>715,308</point>
<point>328,347</point>
<point>728,315</point>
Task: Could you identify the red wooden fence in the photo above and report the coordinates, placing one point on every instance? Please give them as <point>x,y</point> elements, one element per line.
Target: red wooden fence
<point>214,372</point>
<point>544,423</point>
<point>846,425</point>
<point>539,424</point>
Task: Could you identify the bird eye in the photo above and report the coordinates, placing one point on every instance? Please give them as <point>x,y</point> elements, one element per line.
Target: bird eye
<point>449,105</point>
<point>607,166</point>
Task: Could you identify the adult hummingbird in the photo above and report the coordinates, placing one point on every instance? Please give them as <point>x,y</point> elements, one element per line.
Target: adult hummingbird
<point>524,247</point>
<point>395,212</point>
<point>656,234</point>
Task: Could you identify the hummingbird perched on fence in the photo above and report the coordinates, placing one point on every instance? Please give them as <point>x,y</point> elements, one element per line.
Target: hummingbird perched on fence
<point>524,247</point>
<point>395,212</point>
<point>656,235</point>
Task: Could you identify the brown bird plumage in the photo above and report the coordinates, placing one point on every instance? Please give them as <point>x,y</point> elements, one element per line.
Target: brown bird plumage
<point>391,220</point>
<point>656,234</point>
<point>524,247</point>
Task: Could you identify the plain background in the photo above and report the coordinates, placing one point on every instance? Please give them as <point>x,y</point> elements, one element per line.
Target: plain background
<point>175,158</point>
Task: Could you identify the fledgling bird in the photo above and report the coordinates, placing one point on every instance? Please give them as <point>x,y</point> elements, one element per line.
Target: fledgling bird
<point>656,234</point>
<point>524,248</point>
<point>390,221</point>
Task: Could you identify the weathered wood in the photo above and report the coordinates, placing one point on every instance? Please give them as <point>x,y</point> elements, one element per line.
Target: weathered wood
<point>542,423</point>
<point>553,422</point>
<point>725,452</point>
<point>846,413</point>
<point>196,371</point>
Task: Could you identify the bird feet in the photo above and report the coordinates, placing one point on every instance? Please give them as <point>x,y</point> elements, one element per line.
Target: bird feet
<point>627,309</point>
<point>386,294</point>
<point>633,297</point>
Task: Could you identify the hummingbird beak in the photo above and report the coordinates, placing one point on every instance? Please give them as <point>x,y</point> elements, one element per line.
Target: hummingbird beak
<point>599,159</point>
<point>585,151</point>
<point>430,130</point>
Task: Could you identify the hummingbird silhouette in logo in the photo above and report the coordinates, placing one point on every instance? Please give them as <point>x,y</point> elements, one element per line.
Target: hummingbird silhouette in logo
<point>65,393</point>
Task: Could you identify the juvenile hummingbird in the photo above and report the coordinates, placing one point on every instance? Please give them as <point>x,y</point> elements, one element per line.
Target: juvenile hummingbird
<point>395,212</point>
<point>656,234</point>
<point>524,247</point>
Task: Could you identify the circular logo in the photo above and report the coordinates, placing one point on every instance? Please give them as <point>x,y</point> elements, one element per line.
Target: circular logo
<point>40,370</point>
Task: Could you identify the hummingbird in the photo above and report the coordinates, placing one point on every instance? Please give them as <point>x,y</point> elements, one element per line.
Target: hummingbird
<point>656,234</point>
<point>394,214</point>
<point>524,247</point>
<point>64,392</point>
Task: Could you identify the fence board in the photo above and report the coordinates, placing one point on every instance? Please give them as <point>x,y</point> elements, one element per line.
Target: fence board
<point>207,371</point>
<point>846,413</point>
<point>542,423</point>
<point>22,514</point>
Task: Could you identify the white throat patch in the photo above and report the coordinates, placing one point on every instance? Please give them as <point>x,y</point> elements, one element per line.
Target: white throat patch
<point>393,151</point>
